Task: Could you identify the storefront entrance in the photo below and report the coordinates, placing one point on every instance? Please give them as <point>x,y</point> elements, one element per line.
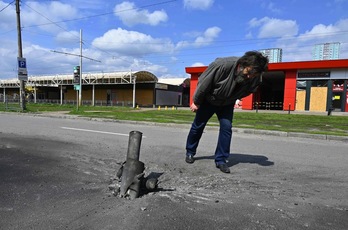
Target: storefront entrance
<point>339,95</point>
<point>270,95</point>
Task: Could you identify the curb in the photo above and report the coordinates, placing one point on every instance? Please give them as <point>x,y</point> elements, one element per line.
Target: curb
<point>292,134</point>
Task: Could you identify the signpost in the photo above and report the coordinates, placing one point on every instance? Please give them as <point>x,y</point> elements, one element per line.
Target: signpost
<point>77,88</point>
<point>22,69</point>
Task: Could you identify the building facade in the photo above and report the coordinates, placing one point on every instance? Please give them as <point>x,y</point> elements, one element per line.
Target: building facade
<point>274,54</point>
<point>116,88</point>
<point>326,51</point>
<point>316,86</point>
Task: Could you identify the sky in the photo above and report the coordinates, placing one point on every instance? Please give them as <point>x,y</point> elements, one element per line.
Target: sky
<point>161,36</point>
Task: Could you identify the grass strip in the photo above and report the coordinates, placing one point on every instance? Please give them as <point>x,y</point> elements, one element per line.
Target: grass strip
<point>312,124</point>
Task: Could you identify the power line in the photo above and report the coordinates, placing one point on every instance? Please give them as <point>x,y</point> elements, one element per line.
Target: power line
<point>56,23</point>
<point>48,19</point>
<point>99,15</point>
<point>77,55</point>
<point>226,41</point>
<point>7,5</point>
<point>59,27</point>
<point>204,50</point>
<point>6,32</point>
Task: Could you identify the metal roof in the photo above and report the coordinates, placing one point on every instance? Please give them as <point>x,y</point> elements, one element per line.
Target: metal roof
<point>87,78</point>
<point>174,81</point>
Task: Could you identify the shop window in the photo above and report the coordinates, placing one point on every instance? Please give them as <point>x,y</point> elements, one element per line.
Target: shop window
<point>338,85</point>
<point>301,85</point>
<point>319,83</point>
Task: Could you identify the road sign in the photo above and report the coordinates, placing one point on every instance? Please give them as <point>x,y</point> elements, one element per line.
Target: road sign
<point>22,69</point>
<point>76,87</point>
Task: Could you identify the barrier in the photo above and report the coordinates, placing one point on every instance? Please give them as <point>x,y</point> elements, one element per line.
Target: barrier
<point>268,105</point>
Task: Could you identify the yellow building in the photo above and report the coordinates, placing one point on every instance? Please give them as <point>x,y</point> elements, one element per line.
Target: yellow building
<point>116,88</point>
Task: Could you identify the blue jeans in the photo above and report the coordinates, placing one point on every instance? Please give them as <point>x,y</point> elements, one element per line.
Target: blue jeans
<point>203,114</point>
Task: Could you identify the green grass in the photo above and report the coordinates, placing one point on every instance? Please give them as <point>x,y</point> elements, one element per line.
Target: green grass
<point>36,107</point>
<point>313,124</point>
<point>10,107</point>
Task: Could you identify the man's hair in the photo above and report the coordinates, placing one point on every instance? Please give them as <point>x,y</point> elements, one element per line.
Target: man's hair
<point>254,59</point>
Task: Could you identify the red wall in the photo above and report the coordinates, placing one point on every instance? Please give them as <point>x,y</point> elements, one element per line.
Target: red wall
<point>248,102</point>
<point>193,85</point>
<point>195,73</point>
<point>290,90</point>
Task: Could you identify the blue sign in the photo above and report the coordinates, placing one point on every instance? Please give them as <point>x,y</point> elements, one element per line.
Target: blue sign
<point>22,64</point>
<point>22,69</point>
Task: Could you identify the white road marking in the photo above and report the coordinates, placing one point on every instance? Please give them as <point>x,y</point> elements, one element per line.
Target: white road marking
<point>96,131</point>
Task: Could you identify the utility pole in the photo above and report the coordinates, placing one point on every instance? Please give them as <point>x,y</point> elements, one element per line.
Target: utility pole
<point>79,94</point>
<point>80,90</point>
<point>20,55</point>
<point>133,79</point>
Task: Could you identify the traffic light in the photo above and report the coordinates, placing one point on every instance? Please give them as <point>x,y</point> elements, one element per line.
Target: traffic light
<point>76,75</point>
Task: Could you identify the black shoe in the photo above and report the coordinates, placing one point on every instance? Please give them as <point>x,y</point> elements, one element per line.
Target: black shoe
<point>189,159</point>
<point>223,168</point>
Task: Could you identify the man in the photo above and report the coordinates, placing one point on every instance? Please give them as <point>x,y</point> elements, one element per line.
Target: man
<point>220,85</point>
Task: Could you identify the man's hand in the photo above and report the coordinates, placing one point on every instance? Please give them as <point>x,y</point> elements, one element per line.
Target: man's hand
<point>194,107</point>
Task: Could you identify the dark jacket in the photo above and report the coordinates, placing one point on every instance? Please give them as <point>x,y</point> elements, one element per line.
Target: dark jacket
<point>219,85</point>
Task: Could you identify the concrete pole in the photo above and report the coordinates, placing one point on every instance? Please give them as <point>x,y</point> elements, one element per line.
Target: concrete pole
<point>80,91</point>
<point>35,93</point>
<point>93,95</point>
<point>134,82</point>
<point>61,94</point>
<point>20,55</point>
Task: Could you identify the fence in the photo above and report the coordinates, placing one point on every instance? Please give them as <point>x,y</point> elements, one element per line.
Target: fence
<point>268,105</point>
<point>11,105</point>
<point>84,102</point>
<point>11,102</point>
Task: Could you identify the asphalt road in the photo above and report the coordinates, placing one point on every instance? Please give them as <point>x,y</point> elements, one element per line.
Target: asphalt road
<point>55,172</point>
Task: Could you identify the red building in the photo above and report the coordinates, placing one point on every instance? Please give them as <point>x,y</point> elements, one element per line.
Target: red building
<point>303,86</point>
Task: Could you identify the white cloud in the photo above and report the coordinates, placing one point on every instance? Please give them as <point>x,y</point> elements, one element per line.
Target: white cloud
<point>130,15</point>
<point>273,27</point>
<point>300,47</point>
<point>198,4</point>
<point>7,17</point>
<point>204,39</point>
<point>6,56</point>
<point>132,43</point>
<point>37,13</point>
<point>209,35</point>
<point>297,46</point>
<point>197,64</point>
<point>68,37</point>
<point>327,33</point>
<point>270,6</point>
<point>148,66</point>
